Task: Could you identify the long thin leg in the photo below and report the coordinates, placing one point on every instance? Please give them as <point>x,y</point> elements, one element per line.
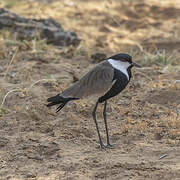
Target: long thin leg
<point>106,126</point>
<point>94,117</point>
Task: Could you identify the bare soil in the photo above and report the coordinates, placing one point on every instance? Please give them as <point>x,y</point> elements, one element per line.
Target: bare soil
<point>144,120</point>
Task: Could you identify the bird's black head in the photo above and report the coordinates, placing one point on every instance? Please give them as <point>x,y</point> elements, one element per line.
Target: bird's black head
<point>122,57</point>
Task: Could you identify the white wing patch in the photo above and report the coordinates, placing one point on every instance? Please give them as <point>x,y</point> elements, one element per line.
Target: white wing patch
<point>121,66</point>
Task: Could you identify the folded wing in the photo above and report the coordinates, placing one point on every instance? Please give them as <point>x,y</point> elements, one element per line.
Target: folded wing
<point>97,81</point>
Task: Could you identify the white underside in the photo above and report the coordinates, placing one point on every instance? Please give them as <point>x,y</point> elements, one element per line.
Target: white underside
<point>121,66</point>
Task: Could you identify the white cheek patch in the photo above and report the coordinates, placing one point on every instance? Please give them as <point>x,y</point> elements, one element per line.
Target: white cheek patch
<point>121,66</point>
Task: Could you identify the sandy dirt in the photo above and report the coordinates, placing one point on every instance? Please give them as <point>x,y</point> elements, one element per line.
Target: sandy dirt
<point>144,120</point>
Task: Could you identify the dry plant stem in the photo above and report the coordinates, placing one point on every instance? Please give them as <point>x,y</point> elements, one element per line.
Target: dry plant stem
<point>14,90</point>
<point>12,59</point>
<point>46,80</point>
<point>23,90</point>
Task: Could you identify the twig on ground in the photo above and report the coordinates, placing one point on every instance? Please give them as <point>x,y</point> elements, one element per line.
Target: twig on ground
<point>163,156</point>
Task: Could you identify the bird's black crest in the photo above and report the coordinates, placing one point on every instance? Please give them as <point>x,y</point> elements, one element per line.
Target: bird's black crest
<point>122,57</point>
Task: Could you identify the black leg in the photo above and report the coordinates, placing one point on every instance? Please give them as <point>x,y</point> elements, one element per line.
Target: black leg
<point>94,117</point>
<point>106,126</point>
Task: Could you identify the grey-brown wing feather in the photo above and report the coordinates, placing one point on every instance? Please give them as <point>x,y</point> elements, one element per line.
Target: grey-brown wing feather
<point>97,81</point>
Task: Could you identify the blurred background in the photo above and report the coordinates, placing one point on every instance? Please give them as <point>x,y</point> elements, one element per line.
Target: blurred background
<point>110,26</point>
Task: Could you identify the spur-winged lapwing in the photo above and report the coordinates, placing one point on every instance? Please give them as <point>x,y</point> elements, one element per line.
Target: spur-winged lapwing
<point>107,79</point>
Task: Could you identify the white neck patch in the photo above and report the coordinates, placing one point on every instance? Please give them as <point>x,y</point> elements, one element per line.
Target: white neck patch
<point>121,66</point>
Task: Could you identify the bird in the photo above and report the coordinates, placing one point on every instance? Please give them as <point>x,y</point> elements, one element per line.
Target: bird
<point>107,79</point>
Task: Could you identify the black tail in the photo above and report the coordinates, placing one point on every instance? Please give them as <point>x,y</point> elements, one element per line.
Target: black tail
<point>59,100</point>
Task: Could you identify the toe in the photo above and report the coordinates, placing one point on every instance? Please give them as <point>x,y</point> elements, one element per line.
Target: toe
<point>110,146</point>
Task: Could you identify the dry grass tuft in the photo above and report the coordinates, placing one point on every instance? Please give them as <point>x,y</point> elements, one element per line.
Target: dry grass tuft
<point>160,58</point>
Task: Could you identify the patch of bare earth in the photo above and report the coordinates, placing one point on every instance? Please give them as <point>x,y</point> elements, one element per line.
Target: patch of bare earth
<point>144,120</point>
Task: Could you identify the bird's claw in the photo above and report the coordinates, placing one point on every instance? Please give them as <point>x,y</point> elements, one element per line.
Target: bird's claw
<point>102,146</point>
<point>110,146</point>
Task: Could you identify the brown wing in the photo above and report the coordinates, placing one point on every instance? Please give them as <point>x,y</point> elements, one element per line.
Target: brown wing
<point>96,81</point>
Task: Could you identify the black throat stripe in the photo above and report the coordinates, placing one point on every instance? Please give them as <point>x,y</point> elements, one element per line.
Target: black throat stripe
<point>121,82</point>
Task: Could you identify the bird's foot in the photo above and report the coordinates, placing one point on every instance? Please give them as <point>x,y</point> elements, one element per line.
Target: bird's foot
<point>102,146</point>
<point>110,146</point>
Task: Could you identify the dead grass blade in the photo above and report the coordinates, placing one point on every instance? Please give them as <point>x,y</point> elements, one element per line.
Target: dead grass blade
<point>12,59</point>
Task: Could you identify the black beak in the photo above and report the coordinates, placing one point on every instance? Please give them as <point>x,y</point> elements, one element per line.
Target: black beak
<point>136,65</point>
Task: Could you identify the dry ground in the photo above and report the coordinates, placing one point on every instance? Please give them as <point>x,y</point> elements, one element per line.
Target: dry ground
<point>144,121</point>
